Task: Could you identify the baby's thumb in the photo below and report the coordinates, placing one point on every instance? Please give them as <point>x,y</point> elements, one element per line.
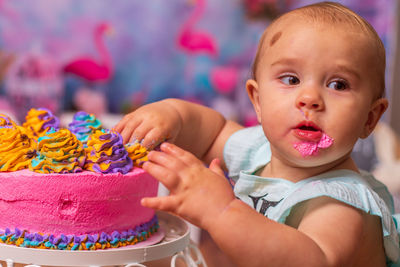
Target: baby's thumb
<point>215,166</point>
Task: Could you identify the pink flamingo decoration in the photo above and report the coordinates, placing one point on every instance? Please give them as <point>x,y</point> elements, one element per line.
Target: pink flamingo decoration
<point>89,68</point>
<point>193,41</point>
<point>224,78</point>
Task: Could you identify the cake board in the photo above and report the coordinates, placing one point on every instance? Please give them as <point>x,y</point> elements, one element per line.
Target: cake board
<point>171,239</point>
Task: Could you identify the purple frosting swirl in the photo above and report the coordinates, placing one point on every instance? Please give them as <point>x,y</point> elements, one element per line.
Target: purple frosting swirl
<point>118,161</point>
<point>51,121</point>
<point>5,122</point>
<point>83,125</point>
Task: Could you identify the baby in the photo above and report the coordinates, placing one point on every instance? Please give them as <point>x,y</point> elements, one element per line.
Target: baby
<point>298,199</point>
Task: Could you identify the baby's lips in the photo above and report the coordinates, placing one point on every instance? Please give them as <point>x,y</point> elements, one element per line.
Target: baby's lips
<point>308,135</point>
<point>308,131</point>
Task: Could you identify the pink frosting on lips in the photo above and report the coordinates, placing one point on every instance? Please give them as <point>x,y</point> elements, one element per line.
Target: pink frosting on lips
<point>307,148</point>
<point>312,138</point>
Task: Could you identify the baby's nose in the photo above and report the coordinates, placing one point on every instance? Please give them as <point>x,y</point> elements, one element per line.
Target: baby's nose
<point>310,99</point>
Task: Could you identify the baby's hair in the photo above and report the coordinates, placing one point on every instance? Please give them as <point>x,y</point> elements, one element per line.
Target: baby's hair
<point>333,13</point>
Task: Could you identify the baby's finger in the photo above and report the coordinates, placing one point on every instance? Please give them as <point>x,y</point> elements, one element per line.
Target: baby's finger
<point>120,125</point>
<point>163,175</point>
<point>126,134</point>
<point>126,128</point>
<point>177,152</point>
<point>215,166</point>
<point>165,203</point>
<point>141,133</point>
<point>167,161</point>
<point>123,122</point>
<point>154,138</point>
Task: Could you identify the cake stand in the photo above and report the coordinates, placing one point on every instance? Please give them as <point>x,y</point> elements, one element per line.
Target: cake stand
<point>173,240</point>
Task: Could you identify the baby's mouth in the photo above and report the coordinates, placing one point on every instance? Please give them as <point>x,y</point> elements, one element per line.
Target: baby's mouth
<point>312,138</point>
<point>308,131</point>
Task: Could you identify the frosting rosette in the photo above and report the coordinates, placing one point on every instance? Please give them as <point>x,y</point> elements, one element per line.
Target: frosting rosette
<point>106,153</point>
<point>83,125</point>
<point>58,151</point>
<point>38,121</point>
<point>6,122</point>
<point>137,153</point>
<point>16,149</point>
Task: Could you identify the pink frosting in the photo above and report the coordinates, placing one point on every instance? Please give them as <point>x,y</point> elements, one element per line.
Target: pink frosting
<point>76,203</point>
<point>312,148</point>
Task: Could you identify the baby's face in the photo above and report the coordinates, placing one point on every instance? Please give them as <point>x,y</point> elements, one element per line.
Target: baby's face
<point>315,88</point>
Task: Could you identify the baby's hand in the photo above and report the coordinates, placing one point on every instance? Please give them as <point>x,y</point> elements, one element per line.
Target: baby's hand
<point>197,194</point>
<point>150,125</point>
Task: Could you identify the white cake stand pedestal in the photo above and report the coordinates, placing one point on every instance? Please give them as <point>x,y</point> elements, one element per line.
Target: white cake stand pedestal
<point>173,241</point>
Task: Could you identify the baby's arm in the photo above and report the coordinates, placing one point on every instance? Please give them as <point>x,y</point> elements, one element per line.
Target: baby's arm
<point>196,128</point>
<point>330,233</point>
<point>327,232</point>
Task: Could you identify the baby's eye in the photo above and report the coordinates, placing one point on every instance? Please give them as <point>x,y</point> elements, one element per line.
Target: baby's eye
<point>290,80</point>
<point>338,85</point>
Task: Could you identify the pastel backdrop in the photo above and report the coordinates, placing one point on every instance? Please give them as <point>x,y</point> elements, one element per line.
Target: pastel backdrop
<point>113,56</point>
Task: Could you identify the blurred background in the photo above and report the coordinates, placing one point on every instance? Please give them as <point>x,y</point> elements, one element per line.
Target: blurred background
<point>110,57</point>
<point>138,52</point>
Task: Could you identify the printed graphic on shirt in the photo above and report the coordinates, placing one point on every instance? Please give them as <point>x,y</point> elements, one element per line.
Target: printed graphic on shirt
<point>265,204</point>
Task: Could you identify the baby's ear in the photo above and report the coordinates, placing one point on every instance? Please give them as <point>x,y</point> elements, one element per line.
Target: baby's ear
<point>375,113</point>
<point>252,91</point>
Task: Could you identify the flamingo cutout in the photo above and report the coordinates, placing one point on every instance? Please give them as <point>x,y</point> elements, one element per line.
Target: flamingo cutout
<point>192,41</point>
<point>224,78</point>
<point>89,68</point>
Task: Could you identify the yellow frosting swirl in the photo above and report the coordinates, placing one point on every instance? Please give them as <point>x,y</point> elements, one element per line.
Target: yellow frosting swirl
<point>58,151</point>
<point>5,121</point>
<point>38,121</point>
<point>137,153</point>
<point>16,149</point>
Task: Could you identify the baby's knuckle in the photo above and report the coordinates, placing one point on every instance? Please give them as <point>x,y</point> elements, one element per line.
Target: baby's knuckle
<point>170,180</point>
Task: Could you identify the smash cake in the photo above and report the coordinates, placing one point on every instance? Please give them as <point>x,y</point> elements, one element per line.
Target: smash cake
<point>58,192</point>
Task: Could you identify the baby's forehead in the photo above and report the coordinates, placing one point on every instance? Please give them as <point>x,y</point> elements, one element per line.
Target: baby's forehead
<point>287,29</point>
<point>279,27</point>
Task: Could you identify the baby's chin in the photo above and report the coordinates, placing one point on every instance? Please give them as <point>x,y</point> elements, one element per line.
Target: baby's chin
<point>324,161</point>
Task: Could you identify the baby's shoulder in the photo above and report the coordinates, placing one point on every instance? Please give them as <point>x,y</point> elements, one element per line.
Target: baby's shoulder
<point>358,190</point>
<point>334,222</point>
<point>353,193</point>
<point>344,186</point>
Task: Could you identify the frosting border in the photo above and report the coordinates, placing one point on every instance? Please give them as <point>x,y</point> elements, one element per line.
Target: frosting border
<point>23,238</point>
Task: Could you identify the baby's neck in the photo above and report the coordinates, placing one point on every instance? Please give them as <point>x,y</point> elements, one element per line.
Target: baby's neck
<point>277,168</point>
